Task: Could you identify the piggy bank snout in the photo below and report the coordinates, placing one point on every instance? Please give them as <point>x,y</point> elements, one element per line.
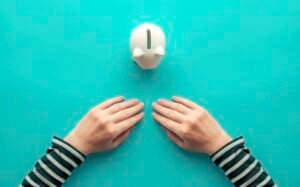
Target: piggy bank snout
<point>148,62</point>
<point>159,51</point>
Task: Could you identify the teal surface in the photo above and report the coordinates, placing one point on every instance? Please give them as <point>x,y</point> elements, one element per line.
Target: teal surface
<point>238,58</point>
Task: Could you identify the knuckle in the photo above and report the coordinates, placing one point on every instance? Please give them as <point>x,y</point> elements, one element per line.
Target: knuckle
<point>134,119</point>
<point>186,132</point>
<point>126,113</point>
<point>169,113</point>
<point>93,114</point>
<point>102,121</point>
<point>109,131</point>
<point>160,119</point>
<point>178,106</point>
<point>202,114</point>
<point>116,107</point>
<point>163,121</point>
<point>192,121</point>
<point>108,121</point>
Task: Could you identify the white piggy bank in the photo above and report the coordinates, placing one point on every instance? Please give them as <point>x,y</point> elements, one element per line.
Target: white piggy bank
<point>147,43</point>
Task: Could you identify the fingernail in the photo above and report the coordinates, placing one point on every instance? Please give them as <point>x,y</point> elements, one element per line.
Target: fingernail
<point>175,97</point>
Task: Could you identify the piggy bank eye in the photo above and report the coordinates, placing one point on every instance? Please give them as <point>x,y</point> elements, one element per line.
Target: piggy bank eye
<point>148,39</point>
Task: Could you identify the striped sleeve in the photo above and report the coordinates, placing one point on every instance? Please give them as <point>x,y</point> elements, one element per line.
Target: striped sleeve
<point>55,166</point>
<point>240,166</point>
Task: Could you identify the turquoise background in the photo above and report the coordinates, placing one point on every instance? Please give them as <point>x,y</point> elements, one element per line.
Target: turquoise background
<point>238,58</point>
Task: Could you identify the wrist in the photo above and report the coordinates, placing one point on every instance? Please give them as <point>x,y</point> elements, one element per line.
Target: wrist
<point>219,143</point>
<point>77,143</point>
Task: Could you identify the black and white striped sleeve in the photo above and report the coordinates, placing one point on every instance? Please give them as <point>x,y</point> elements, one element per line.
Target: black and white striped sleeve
<point>240,166</point>
<point>55,166</point>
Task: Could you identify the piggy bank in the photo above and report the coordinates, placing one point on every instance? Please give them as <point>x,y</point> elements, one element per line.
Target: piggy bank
<point>147,43</point>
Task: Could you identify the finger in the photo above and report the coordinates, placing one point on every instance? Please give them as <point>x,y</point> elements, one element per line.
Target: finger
<point>110,102</point>
<point>167,123</point>
<point>117,141</point>
<point>168,113</point>
<point>128,124</point>
<point>170,133</point>
<point>185,102</point>
<point>167,131</point>
<point>177,140</point>
<point>121,106</point>
<point>127,113</point>
<point>173,105</point>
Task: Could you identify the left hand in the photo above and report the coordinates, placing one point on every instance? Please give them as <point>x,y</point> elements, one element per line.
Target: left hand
<point>190,126</point>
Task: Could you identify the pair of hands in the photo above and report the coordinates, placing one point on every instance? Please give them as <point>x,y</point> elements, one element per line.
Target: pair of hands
<point>187,124</point>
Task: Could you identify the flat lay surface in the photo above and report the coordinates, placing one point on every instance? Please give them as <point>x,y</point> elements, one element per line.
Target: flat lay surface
<point>239,59</point>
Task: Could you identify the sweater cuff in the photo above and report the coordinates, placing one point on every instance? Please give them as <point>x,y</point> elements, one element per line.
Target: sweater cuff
<point>228,149</point>
<point>68,149</point>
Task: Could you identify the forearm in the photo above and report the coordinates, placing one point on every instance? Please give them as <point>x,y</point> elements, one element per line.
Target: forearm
<point>55,166</point>
<point>240,166</point>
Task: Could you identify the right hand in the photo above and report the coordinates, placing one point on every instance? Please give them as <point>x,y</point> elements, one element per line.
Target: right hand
<point>106,126</point>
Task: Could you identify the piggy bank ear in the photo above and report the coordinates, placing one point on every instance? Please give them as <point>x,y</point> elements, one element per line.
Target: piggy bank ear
<point>160,51</point>
<point>137,52</point>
